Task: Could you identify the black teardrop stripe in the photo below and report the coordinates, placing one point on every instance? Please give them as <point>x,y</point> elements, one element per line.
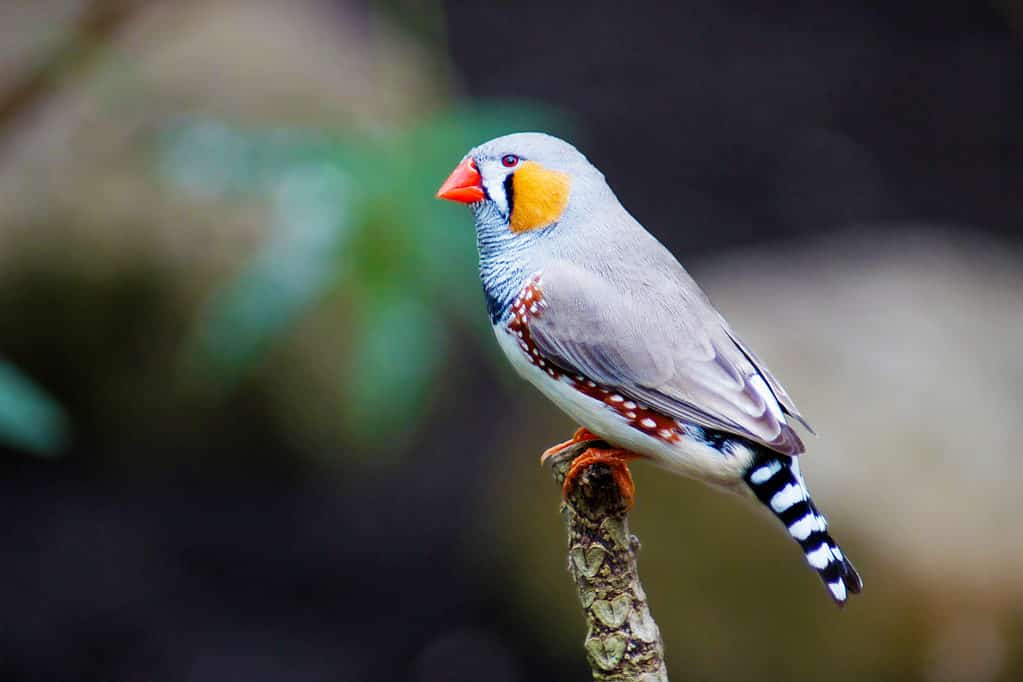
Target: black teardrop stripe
<point>509,192</point>
<point>766,490</point>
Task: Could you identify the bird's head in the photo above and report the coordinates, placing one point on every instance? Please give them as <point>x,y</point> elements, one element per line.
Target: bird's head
<point>524,181</point>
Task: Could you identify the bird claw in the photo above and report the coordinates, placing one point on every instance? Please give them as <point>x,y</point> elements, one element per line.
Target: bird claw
<point>616,460</point>
<point>581,435</point>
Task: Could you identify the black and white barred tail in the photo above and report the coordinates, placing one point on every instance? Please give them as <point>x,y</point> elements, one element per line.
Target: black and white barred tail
<point>776,481</point>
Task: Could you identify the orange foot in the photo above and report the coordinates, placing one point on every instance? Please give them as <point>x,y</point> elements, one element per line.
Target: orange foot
<point>616,459</point>
<point>579,436</point>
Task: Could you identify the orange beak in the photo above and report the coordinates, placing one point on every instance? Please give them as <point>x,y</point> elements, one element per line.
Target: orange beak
<point>463,185</point>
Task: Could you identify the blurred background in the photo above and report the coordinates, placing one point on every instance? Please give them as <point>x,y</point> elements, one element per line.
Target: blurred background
<point>253,422</point>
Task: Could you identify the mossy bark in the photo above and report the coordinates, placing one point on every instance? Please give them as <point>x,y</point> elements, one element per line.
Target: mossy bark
<point>623,643</point>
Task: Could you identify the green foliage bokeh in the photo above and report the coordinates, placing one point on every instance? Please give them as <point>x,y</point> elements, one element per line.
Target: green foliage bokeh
<point>353,218</point>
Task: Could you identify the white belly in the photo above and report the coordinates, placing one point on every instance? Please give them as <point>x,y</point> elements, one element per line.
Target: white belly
<point>687,456</point>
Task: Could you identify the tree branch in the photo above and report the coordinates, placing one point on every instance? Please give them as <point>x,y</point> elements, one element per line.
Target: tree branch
<point>78,49</point>
<point>623,643</point>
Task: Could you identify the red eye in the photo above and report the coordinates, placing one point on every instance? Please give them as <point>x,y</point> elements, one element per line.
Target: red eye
<point>509,160</point>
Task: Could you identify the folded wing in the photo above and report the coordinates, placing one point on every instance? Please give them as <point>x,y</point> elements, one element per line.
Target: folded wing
<point>664,346</point>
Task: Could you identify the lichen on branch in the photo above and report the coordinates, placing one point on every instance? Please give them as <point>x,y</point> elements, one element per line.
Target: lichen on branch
<point>623,643</point>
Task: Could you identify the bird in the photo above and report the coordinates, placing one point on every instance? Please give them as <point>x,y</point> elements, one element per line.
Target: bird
<point>597,314</point>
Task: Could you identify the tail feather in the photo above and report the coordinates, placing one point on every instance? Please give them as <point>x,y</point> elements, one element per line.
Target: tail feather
<point>776,481</point>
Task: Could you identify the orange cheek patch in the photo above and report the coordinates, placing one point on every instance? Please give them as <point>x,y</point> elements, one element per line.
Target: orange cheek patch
<point>540,196</point>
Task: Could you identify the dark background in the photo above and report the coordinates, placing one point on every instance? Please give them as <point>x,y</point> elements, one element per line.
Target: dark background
<point>211,528</point>
<point>773,120</point>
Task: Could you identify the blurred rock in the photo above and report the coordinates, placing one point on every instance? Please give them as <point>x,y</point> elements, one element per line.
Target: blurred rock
<point>968,649</point>
<point>90,230</point>
<point>86,147</point>
<point>902,348</point>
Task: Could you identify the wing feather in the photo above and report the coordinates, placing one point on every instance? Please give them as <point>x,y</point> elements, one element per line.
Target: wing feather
<point>664,347</point>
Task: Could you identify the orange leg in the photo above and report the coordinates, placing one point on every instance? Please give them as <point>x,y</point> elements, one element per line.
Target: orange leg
<point>616,459</point>
<point>579,436</point>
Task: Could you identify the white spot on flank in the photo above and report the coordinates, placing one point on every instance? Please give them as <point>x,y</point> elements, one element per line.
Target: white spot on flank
<point>616,398</point>
<point>648,422</point>
<point>764,473</point>
<point>529,294</point>
<point>664,433</point>
<point>838,589</point>
<point>802,528</point>
<point>543,364</point>
<point>630,415</point>
<point>786,497</point>
<point>550,371</point>
<point>629,405</point>
<point>578,377</point>
<point>820,557</point>
<point>591,384</point>
<point>524,345</point>
<point>533,309</point>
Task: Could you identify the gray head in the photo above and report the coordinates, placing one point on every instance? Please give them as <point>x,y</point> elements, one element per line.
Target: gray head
<point>526,181</point>
<point>531,194</point>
